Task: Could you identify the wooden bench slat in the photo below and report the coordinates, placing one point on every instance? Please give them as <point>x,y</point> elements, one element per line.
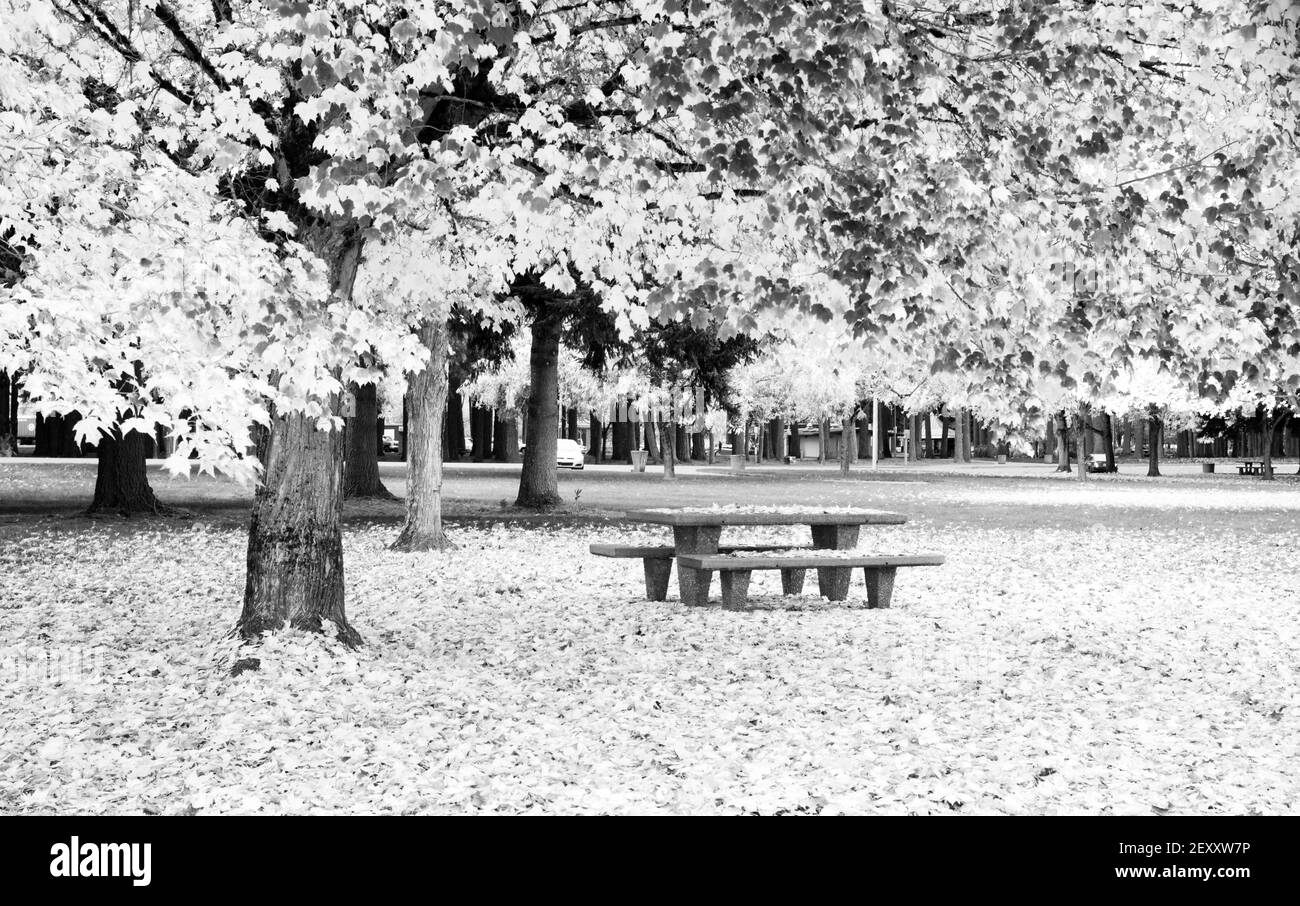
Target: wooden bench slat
<point>666,551</point>
<point>806,560</point>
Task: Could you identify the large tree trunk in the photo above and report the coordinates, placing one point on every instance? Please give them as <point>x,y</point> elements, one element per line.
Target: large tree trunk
<point>361,466</point>
<point>651,440</point>
<point>121,483</point>
<point>1155,439</point>
<point>295,543</point>
<point>454,428</point>
<point>426,400</point>
<point>596,443</point>
<point>848,444</point>
<point>1081,441</point>
<point>500,439</point>
<point>824,441</point>
<point>1108,438</point>
<point>667,431</point>
<point>538,486</point>
<point>960,424</point>
<point>5,430</point>
<point>1062,442</point>
<point>1270,428</point>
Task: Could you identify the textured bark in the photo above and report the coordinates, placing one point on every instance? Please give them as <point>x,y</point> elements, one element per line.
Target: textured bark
<point>1108,438</point>
<point>1270,428</point>
<point>538,485</point>
<point>824,429</point>
<point>1155,440</point>
<point>1062,443</point>
<point>596,446</point>
<point>426,400</point>
<point>848,445</point>
<point>667,430</point>
<point>453,445</point>
<point>9,403</point>
<point>1081,439</point>
<point>652,443</point>
<point>794,443</point>
<point>361,464</point>
<point>295,546</point>
<point>121,482</point>
<point>500,438</point>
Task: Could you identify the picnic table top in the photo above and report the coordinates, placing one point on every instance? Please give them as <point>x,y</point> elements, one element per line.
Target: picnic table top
<point>766,515</point>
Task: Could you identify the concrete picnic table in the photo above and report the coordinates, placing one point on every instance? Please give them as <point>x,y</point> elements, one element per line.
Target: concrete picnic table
<point>698,530</point>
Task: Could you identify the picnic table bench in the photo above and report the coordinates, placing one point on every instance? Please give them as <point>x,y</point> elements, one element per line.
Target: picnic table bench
<point>735,569</point>
<point>1251,467</point>
<point>696,549</point>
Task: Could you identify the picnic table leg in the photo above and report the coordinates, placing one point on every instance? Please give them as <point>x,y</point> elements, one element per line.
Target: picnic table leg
<point>833,581</point>
<point>657,570</point>
<point>735,587</point>
<point>880,585</point>
<point>792,581</point>
<point>693,584</point>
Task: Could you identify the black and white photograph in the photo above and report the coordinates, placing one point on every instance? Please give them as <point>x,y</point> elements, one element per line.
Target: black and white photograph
<point>651,408</point>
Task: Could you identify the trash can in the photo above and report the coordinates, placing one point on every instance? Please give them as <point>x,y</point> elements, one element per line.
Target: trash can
<point>737,463</point>
<point>1207,467</point>
<point>639,459</point>
<point>1002,459</point>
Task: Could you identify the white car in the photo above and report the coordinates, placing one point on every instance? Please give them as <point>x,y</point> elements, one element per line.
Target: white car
<point>568,453</point>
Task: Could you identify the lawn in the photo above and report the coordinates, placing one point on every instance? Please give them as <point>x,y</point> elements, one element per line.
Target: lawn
<point>1125,647</point>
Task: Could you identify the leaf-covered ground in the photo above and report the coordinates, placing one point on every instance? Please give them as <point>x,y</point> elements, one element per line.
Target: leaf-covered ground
<point>1102,650</point>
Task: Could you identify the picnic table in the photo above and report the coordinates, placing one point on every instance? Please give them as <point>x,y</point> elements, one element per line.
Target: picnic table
<point>1251,467</point>
<point>697,533</point>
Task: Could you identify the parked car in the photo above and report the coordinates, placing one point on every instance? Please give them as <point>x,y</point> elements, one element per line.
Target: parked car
<point>569,454</point>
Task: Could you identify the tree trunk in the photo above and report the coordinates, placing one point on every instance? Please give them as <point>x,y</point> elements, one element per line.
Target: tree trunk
<point>426,400</point>
<point>1155,436</point>
<point>652,431</point>
<point>295,544</point>
<point>848,444</point>
<point>683,451</point>
<point>121,482</point>
<point>361,467</point>
<point>538,486</point>
<point>1108,438</point>
<point>929,435</point>
<point>596,444</point>
<point>454,430</point>
<point>500,446</point>
<point>825,439</point>
<point>1081,441</point>
<point>1062,443</point>
<point>959,428</point>
<point>666,433</point>
<point>794,444</point>
<point>1270,428</point>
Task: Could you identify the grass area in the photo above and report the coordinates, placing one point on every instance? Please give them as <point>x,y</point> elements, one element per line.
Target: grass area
<point>1124,647</point>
